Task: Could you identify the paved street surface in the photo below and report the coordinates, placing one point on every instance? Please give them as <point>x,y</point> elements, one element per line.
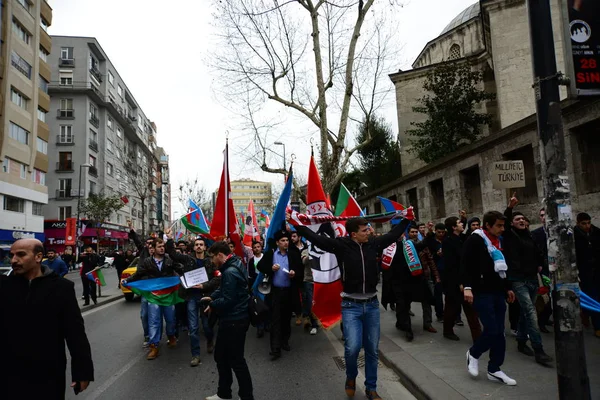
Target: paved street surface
<point>438,365</point>
<point>309,371</point>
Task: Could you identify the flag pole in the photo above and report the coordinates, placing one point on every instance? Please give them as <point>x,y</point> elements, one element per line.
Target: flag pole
<point>226,184</point>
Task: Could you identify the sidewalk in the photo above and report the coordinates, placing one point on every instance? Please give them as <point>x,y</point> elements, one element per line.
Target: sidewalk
<point>433,367</point>
<point>110,292</point>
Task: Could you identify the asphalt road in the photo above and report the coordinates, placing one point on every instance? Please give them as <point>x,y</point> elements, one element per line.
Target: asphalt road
<point>309,371</point>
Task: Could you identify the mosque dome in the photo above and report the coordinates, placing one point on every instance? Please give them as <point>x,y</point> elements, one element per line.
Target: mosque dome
<point>466,15</point>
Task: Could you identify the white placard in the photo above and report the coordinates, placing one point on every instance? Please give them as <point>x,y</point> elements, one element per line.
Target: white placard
<point>194,277</point>
<point>508,174</point>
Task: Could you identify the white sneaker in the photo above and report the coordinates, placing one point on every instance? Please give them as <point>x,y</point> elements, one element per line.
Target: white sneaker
<point>514,332</point>
<point>501,377</point>
<point>215,397</point>
<point>472,365</point>
<point>313,331</point>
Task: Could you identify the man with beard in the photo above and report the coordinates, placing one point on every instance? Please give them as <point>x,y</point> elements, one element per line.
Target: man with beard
<point>587,250</point>
<point>55,263</point>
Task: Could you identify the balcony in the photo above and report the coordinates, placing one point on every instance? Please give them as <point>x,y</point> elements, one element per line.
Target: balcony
<point>64,194</point>
<point>94,145</point>
<point>93,171</point>
<point>66,62</point>
<point>64,166</point>
<point>65,140</point>
<point>94,121</point>
<point>96,74</point>
<point>65,114</point>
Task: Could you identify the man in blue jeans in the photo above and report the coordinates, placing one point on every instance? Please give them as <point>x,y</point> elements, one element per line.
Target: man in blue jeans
<point>483,277</point>
<point>524,263</point>
<point>156,266</point>
<point>357,258</point>
<point>193,295</point>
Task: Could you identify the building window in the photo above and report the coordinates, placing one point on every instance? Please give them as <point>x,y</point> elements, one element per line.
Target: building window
<point>66,134</point>
<point>454,53</point>
<point>42,145</point>
<point>109,169</point>
<point>65,161</point>
<point>92,161</point>
<point>438,204</point>
<point>92,187</point>
<point>529,193</point>
<point>38,176</point>
<point>41,114</point>
<point>18,133</point>
<point>110,123</point>
<point>119,132</point>
<point>18,98</point>
<point>43,84</point>
<point>20,31</point>
<point>20,65</point>
<point>64,213</point>
<point>64,188</point>
<point>120,90</point>
<point>14,168</point>
<point>37,209</point>
<point>111,78</point>
<point>66,54</point>
<point>66,78</point>
<point>471,189</point>
<point>44,24</point>
<point>44,54</point>
<point>586,160</point>
<point>109,146</point>
<point>26,4</point>
<point>14,204</point>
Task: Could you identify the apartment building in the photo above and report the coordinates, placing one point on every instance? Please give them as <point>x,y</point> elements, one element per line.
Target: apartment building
<point>244,190</point>
<point>24,103</point>
<point>102,141</point>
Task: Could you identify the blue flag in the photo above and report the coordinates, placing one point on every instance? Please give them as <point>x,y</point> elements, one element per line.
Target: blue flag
<point>278,219</point>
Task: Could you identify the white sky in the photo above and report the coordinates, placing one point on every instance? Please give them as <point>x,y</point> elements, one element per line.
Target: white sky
<point>159,48</point>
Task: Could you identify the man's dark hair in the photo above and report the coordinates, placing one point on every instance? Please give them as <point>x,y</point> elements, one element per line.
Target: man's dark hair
<point>89,247</point>
<point>256,242</point>
<point>38,248</point>
<point>353,224</point>
<point>185,243</point>
<point>490,218</point>
<point>231,243</point>
<point>583,217</point>
<point>157,242</point>
<point>440,226</point>
<point>411,226</point>
<point>219,247</point>
<point>450,223</point>
<point>198,239</point>
<point>420,224</point>
<point>50,251</point>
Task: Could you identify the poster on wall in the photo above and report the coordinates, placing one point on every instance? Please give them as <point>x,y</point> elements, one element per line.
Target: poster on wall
<point>583,29</point>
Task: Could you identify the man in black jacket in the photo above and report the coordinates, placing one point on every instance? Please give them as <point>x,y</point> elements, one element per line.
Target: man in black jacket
<point>357,258</point>
<point>486,287</point>
<point>89,261</point>
<point>587,250</point>
<point>283,265</point>
<point>38,313</point>
<point>156,266</point>
<point>230,302</point>
<point>194,294</point>
<point>524,261</point>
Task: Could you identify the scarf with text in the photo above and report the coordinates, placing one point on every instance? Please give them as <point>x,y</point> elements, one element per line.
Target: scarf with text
<point>410,255</point>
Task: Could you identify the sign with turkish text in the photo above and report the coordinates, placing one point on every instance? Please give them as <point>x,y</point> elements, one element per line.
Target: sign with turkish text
<point>508,174</point>
<point>70,231</point>
<point>584,33</point>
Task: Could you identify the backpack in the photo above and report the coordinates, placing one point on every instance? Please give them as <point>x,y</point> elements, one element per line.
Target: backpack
<point>257,310</point>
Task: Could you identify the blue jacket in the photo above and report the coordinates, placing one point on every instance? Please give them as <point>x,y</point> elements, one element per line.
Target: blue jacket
<point>57,265</point>
<point>230,301</point>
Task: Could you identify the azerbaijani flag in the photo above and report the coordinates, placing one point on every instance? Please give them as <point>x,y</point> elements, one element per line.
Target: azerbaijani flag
<point>391,205</point>
<point>264,216</point>
<point>346,206</point>
<point>160,291</point>
<point>97,276</point>
<point>194,221</point>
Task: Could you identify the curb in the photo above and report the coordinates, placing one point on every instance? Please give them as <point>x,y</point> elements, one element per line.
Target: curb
<point>416,377</point>
<point>109,299</point>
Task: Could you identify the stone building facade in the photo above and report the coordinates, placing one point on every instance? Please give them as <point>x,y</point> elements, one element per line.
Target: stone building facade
<point>493,35</point>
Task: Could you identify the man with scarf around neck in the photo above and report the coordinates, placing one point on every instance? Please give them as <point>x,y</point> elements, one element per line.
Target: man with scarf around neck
<point>524,260</point>
<point>452,254</point>
<point>483,276</point>
<point>407,282</point>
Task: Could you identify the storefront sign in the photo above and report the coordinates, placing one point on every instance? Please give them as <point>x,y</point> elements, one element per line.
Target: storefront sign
<point>583,33</point>
<point>508,174</point>
<point>11,236</point>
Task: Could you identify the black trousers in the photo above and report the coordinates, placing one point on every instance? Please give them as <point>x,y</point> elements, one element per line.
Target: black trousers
<point>514,312</point>
<point>229,356</point>
<point>281,315</point>
<point>89,288</point>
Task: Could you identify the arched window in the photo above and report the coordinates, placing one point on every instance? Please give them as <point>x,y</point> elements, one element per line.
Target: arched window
<point>454,52</point>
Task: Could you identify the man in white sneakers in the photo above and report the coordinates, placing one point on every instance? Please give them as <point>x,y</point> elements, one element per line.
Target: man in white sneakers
<point>483,276</point>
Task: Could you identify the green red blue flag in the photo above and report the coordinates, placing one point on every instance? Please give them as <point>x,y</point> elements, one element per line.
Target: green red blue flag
<point>97,276</point>
<point>160,291</point>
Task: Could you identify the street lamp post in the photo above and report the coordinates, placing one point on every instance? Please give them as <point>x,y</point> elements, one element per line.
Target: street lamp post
<point>284,163</point>
<point>81,167</point>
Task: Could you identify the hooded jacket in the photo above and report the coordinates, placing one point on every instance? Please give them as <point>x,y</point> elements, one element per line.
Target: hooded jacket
<point>36,318</point>
<point>357,261</point>
<point>230,301</point>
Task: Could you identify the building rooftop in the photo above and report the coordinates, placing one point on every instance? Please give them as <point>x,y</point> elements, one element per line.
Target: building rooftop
<point>467,14</point>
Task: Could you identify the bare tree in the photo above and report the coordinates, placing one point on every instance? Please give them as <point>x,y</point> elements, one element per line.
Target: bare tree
<point>191,189</point>
<point>325,60</point>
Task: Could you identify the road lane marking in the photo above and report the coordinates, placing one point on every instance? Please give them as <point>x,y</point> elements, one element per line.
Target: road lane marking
<point>102,307</point>
<point>109,382</point>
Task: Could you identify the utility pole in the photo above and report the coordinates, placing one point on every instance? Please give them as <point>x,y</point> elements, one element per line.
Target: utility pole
<point>571,366</point>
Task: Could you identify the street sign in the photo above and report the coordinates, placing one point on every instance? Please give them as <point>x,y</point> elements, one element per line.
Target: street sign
<point>582,47</point>
<point>508,174</point>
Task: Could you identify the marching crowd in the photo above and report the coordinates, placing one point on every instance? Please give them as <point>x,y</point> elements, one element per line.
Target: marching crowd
<point>479,267</point>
